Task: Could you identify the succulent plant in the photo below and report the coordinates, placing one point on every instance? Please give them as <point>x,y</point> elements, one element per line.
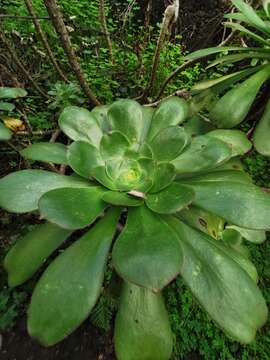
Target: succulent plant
<point>184,203</point>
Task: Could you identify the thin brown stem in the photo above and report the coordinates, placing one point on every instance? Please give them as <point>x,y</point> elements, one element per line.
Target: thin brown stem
<point>105,30</point>
<point>44,40</point>
<point>60,27</point>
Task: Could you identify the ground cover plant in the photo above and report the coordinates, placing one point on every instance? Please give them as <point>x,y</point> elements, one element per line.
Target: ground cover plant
<point>188,205</point>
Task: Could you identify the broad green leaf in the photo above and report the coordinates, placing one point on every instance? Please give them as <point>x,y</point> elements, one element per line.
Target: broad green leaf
<point>69,288</point>
<point>250,34</point>
<point>217,278</point>
<point>230,59</point>
<point>234,106</point>
<point>197,126</point>
<point>198,54</point>
<point>169,143</point>
<point>5,106</point>
<point>5,133</point>
<point>121,199</point>
<point>145,151</point>
<point>72,208</point>
<point>232,164</point>
<point>236,139</point>
<point>223,175</point>
<point>174,198</point>
<point>202,220</point>
<point>126,116</point>
<point>113,145</point>
<point>262,133</point>
<point>79,125</point>
<point>242,204</point>
<point>100,174</point>
<point>170,112</point>
<point>142,327</point>
<point>148,113</point>
<point>29,253</point>
<point>204,153</point>
<point>251,16</point>
<point>11,93</point>
<point>46,151</point>
<point>147,245</point>
<point>254,236</point>
<point>100,113</point>
<point>163,176</point>
<point>83,158</point>
<point>21,190</point>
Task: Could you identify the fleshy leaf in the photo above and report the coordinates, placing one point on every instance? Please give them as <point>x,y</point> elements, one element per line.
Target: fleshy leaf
<point>197,126</point>
<point>142,327</point>
<point>113,145</point>
<point>204,153</point>
<point>78,124</point>
<point>72,208</point>
<point>147,245</point>
<point>46,151</point>
<point>218,280</point>
<point>101,176</point>
<point>126,116</point>
<point>5,106</point>
<point>170,112</point>
<point>262,133</point>
<point>234,106</point>
<point>163,176</point>
<point>29,253</point>
<point>11,93</point>
<point>21,190</point>
<point>83,158</point>
<point>236,139</point>
<point>171,200</point>
<point>254,236</point>
<point>100,113</point>
<point>240,203</point>
<point>169,143</point>
<point>69,288</point>
<point>121,199</point>
<point>5,133</point>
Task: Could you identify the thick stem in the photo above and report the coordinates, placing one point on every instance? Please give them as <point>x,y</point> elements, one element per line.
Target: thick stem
<point>44,40</point>
<point>60,27</point>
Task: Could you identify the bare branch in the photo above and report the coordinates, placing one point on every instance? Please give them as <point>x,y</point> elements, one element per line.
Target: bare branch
<point>44,40</point>
<point>104,28</point>
<point>60,27</point>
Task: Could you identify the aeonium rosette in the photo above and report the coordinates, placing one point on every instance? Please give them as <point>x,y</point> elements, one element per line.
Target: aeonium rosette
<point>189,205</point>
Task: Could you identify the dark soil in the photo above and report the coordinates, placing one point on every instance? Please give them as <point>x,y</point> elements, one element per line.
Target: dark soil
<point>86,343</point>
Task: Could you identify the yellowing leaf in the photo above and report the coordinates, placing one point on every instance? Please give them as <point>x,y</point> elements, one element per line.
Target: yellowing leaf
<point>13,124</point>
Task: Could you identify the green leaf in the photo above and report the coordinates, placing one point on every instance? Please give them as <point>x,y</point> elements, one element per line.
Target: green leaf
<point>198,54</point>
<point>169,143</point>
<point>121,199</point>
<point>163,176</point>
<point>251,16</point>
<point>230,59</point>
<point>100,113</point>
<point>236,139</point>
<point>234,106</point>
<point>223,175</point>
<point>5,106</point>
<point>113,145</point>
<point>21,190</point>
<point>197,126</point>
<point>204,153</point>
<point>248,33</point>
<point>72,208</point>
<point>126,116</point>
<point>262,133</point>
<point>174,198</point>
<point>240,203</point>
<point>146,245</point>
<point>83,158</point>
<point>170,112</point>
<point>11,93</point>
<point>5,133</point>
<point>254,236</point>
<point>202,220</point>
<point>48,152</point>
<point>142,327</point>
<point>266,6</point>
<point>29,253</point>
<point>216,277</point>
<point>100,174</point>
<point>78,124</point>
<point>69,288</point>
